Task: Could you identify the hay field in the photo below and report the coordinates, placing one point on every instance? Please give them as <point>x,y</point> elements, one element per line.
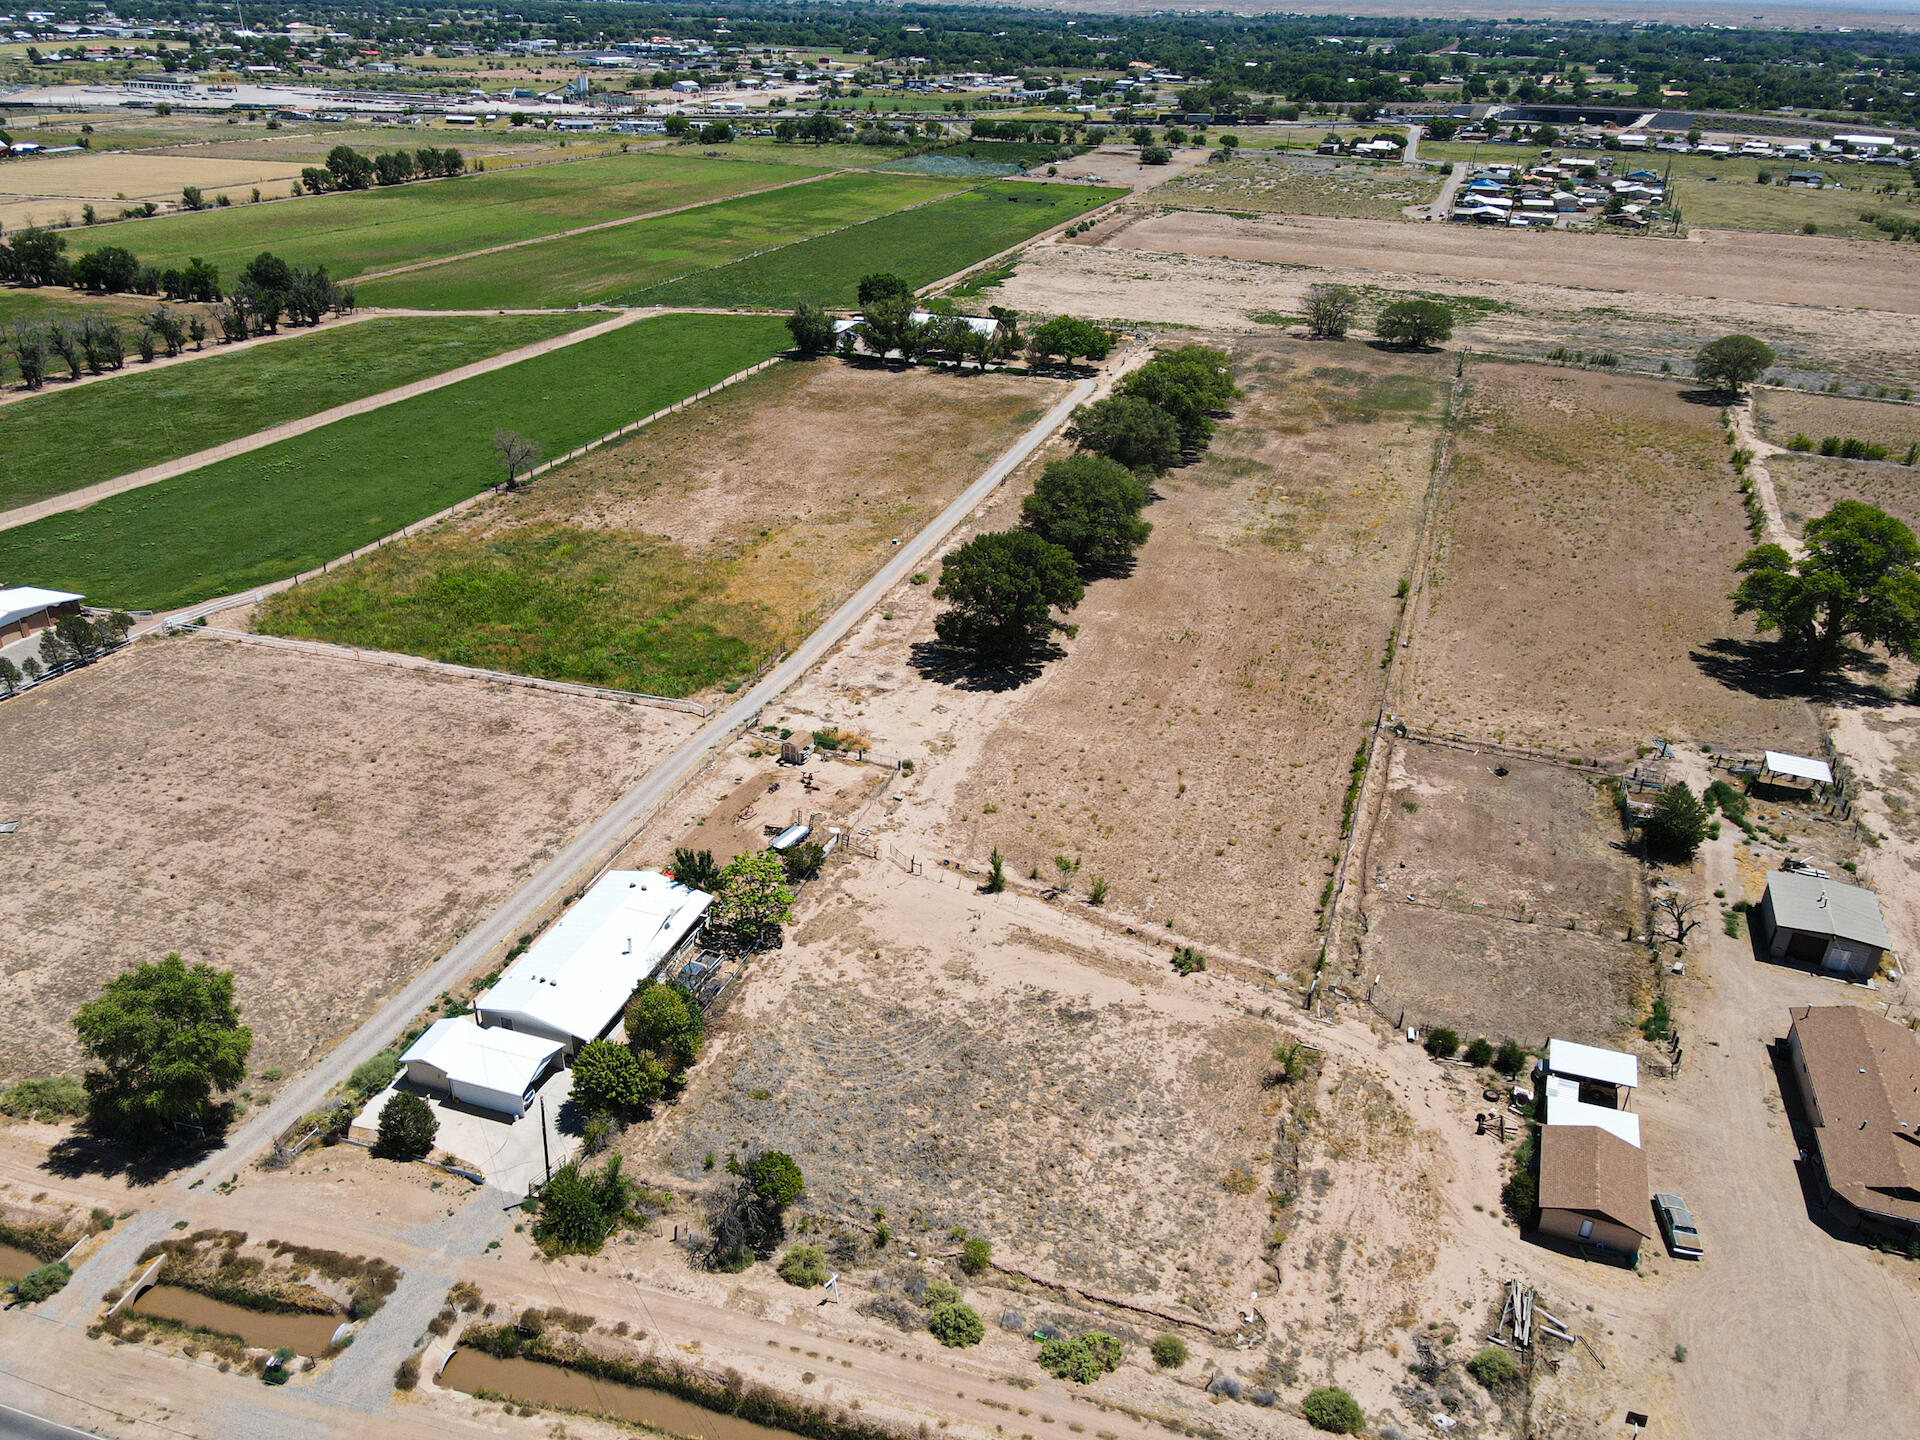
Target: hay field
<point>288,507</point>
<point>368,230</point>
<point>678,559</point>
<point>1193,745</point>
<point>1589,530</point>
<point>322,828</point>
<point>607,265</point>
<point>1307,185</point>
<point>52,191</point>
<point>1785,413</point>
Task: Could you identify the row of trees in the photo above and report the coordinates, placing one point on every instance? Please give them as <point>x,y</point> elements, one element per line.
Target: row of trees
<point>1084,519</point>
<point>1333,310</point>
<point>70,640</point>
<point>35,257</point>
<point>348,169</point>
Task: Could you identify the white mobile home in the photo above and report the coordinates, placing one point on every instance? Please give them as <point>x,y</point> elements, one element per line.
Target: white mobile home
<point>573,984</point>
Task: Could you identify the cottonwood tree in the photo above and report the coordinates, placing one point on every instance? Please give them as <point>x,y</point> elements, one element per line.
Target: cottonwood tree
<point>1002,589</point>
<point>516,452</point>
<point>164,1040</point>
<point>664,1022</point>
<point>1136,432</point>
<point>1414,324</point>
<point>1330,310</point>
<point>1068,338</point>
<point>1732,362</point>
<point>1860,579</point>
<point>754,900</point>
<point>1189,383</point>
<point>811,329</point>
<point>609,1079</point>
<point>1089,506</point>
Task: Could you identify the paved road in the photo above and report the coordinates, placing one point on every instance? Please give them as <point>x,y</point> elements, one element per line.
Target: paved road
<point>153,474</point>
<point>19,1425</point>
<point>590,846</point>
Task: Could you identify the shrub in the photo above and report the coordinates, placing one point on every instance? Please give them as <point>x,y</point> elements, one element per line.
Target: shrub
<point>1414,324</point>
<point>1520,1196</point>
<point>609,1079</point>
<point>1188,961</point>
<point>1332,1409</point>
<point>775,1178</point>
<point>1480,1053</point>
<point>956,1326</point>
<point>1509,1059</point>
<point>1442,1043</point>
<point>1082,1360</point>
<point>804,1266</point>
<point>1493,1368</point>
<point>975,1256</point>
<point>406,1375</point>
<point>37,1285</point>
<point>280,1368</point>
<point>1169,1352</point>
<point>577,1211</point>
<point>58,1097</point>
<point>370,1077</point>
<point>407,1128</point>
<point>937,1292</point>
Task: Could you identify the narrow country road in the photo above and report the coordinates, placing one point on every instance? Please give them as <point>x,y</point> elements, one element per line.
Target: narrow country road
<point>260,439</point>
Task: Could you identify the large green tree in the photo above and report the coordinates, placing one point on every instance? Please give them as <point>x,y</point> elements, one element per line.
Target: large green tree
<point>1002,589</point>
<point>1732,362</point>
<point>811,328</point>
<point>609,1079</point>
<point>665,1021</point>
<point>1090,507</point>
<point>164,1039</point>
<point>1414,324</point>
<point>1068,338</point>
<point>1678,823</point>
<point>1860,578</point>
<point>754,899</point>
<point>1189,384</point>
<point>1136,432</point>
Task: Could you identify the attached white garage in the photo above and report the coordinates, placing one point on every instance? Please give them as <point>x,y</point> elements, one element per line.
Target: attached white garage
<point>495,1070</point>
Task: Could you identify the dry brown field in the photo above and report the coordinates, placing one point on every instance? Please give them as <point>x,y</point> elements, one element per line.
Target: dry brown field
<point>1302,185</point>
<point>1786,269</point>
<point>1786,413</point>
<point>1496,904</point>
<point>1521,315</point>
<point>43,192</point>
<point>323,829</point>
<point>1810,485</point>
<point>1192,745</point>
<point>1589,529</point>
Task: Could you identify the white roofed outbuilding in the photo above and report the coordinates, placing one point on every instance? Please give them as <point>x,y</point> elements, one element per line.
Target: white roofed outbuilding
<point>574,982</point>
<point>1799,767</point>
<point>1591,1063</point>
<point>1565,1107</point>
<point>492,1069</point>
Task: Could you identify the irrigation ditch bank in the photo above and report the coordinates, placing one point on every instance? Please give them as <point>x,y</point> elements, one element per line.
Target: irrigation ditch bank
<point>667,1396</point>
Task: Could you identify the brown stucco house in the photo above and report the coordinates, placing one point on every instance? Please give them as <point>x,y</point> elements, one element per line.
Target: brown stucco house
<point>1594,1189</point>
<point>1859,1079</point>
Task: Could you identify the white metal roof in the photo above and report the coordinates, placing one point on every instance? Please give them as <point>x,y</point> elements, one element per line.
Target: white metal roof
<point>1590,1062</point>
<point>1565,1109</point>
<point>1826,907</point>
<point>24,600</point>
<point>1781,763</point>
<point>501,1060</point>
<point>579,975</point>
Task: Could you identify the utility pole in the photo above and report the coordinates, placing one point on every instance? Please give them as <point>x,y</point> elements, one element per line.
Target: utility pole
<point>545,1156</point>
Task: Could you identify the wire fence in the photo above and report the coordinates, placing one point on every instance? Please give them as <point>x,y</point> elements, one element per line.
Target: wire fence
<point>397,661</point>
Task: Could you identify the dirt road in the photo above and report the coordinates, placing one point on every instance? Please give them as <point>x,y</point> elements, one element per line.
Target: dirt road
<point>1789,1329</point>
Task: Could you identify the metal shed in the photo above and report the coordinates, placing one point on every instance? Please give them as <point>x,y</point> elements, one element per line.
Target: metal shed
<point>1824,923</point>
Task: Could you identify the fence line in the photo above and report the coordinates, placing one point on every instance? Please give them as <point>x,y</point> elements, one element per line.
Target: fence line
<point>399,661</point>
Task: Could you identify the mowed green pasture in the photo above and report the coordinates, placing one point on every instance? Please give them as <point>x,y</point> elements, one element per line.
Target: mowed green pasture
<point>142,417</point>
<point>289,507</point>
<point>920,246</point>
<point>595,267</point>
<point>367,230</point>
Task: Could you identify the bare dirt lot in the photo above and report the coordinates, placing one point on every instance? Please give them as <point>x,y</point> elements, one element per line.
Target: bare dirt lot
<point>1497,904</point>
<point>1302,185</point>
<point>1192,746</point>
<point>1786,413</point>
<point>1810,485</point>
<point>1859,339</point>
<point>1787,269</point>
<point>1590,526</point>
<point>322,828</point>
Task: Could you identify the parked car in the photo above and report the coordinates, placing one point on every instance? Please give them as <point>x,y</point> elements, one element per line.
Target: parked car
<point>1676,1224</point>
